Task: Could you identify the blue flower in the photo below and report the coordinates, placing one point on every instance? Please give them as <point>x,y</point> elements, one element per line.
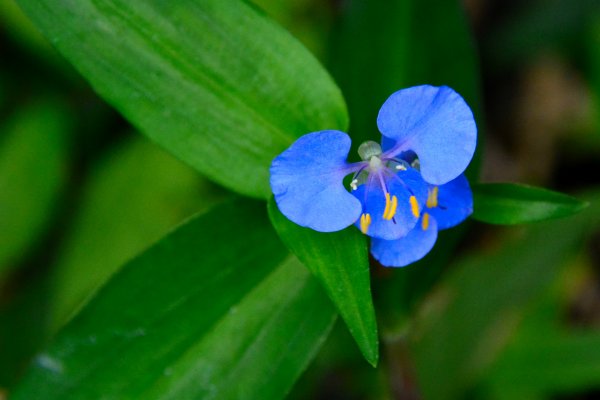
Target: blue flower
<point>428,139</point>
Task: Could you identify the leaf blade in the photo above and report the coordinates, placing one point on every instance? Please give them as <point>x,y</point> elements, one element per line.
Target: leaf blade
<point>214,82</point>
<point>158,309</point>
<point>507,203</point>
<point>303,303</point>
<point>340,261</point>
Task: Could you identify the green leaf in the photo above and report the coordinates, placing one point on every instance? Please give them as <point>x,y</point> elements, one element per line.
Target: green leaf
<point>132,198</point>
<point>340,261</point>
<point>204,313</point>
<point>215,82</point>
<point>467,321</point>
<point>508,203</point>
<point>260,348</point>
<point>33,154</point>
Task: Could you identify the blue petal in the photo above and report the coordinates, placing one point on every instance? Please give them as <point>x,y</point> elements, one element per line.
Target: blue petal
<point>434,122</point>
<point>387,143</point>
<point>306,180</point>
<point>371,196</point>
<point>406,250</point>
<point>455,203</point>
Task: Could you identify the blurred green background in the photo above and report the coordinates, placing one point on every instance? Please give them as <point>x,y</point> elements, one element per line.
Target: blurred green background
<point>81,193</point>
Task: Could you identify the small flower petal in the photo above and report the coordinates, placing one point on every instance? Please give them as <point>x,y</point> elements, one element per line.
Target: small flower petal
<point>434,122</point>
<point>408,249</point>
<point>454,203</point>
<point>307,181</point>
<point>404,185</point>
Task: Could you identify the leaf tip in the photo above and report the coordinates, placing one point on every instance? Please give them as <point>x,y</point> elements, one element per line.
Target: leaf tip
<point>374,360</point>
<point>370,350</point>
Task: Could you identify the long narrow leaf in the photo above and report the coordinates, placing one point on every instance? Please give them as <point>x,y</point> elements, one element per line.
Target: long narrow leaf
<point>157,328</point>
<point>509,203</point>
<point>215,82</point>
<point>340,261</point>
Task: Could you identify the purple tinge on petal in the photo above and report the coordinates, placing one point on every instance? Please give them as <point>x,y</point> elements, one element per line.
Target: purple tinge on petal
<point>434,122</point>
<point>307,181</point>
<point>408,249</point>
<point>454,203</point>
<point>403,186</point>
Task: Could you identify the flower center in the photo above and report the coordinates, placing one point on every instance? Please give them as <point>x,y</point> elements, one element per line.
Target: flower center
<point>376,170</point>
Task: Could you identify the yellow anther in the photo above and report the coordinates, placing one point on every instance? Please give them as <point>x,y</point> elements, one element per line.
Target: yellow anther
<point>414,206</point>
<point>393,208</point>
<point>432,197</point>
<point>365,221</point>
<point>390,207</point>
<point>387,206</point>
<point>425,221</point>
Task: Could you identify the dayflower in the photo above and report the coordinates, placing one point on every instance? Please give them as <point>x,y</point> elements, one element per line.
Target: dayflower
<point>428,138</point>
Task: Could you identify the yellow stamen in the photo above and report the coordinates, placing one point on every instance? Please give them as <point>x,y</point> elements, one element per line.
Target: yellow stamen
<point>365,221</point>
<point>414,206</point>
<point>425,221</point>
<point>432,197</point>
<point>387,206</point>
<point>390,207</point>
<point>393,208</point>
